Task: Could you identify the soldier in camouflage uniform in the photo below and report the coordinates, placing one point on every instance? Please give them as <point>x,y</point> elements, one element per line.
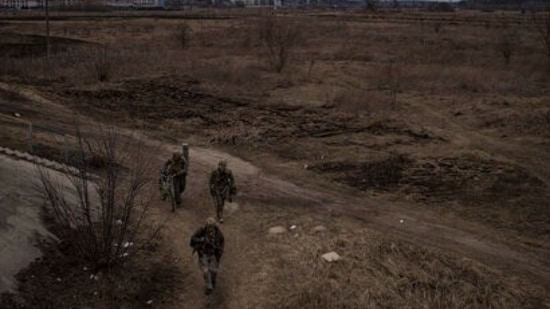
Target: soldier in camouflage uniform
<point>176,167</point>
<point>208,241</point>
<point>222,187</point>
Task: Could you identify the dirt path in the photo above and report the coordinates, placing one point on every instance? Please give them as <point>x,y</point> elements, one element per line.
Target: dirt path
<point>425,228</point>
<point>428,229</point>
<point>465,239</point>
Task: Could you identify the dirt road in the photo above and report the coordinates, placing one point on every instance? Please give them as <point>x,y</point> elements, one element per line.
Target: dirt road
<point>465,239</point>
<point>258,188</point>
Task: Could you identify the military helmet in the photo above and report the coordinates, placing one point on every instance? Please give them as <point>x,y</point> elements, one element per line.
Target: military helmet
<point>210,221</point>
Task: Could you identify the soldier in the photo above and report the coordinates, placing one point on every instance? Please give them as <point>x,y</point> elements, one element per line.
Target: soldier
<point>208,241</point>
<point>176,167</point>
<point>222,187</point>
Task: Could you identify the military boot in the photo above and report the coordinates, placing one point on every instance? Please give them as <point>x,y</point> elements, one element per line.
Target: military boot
<point>219,213</point>
<point>208,283</point>
<point>214,276</point>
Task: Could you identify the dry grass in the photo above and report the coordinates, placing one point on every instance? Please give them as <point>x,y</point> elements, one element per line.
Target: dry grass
<point>365,67</point>
<point>451,60</point>
<point>375,272</point>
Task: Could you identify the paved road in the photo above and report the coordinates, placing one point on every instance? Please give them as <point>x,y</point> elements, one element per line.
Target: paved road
<point>20,222</point>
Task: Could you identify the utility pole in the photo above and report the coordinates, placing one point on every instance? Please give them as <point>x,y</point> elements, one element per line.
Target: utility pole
<point>48,47</point>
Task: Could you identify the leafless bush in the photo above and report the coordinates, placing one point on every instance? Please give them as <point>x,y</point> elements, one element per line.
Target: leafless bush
<point>278,37</point>
<point>105,219</point>
<point>507,44</point>
<point>102,64</point>
<point>181,34</point>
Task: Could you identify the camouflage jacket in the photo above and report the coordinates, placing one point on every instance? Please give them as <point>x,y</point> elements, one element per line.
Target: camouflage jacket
<point>208,240</point>
<point>221,179</point>
<point>176,166</point>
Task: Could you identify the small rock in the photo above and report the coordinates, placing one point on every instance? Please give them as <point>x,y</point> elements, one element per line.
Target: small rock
<point>59,279</point>
<point>401,221</point>
<point>150,301</point>
<point>17,115</point>
<point>306,166</point>
<point>331,257</point>
<point>319,228</point>
<point>277,230</point>
<point>231,208</point>
<point>293,227</point>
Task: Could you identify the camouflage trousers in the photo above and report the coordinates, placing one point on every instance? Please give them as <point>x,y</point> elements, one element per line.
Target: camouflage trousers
<point>208,264</point>
<point>175,184</point>
<point>179,187</point>
<point>220,196</point>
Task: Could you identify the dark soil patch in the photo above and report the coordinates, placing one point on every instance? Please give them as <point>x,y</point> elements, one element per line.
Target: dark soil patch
<point>17,45</point>
<point>498,193</point>
<point>222,120</point>
<point>533,123</point>
<point>60,280</point>
<point>383,174</point>
<point>470,179</point>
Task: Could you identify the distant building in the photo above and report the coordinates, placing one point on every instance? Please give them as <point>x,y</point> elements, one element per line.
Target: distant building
<point>21,4</point>
<point>137,4</point>
<point>148,3</point>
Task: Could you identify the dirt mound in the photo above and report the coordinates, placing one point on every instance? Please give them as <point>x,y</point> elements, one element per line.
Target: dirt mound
<point>17,45</point>
<point>469,179</point>
<point>383,174</point>
<point>528,123</point>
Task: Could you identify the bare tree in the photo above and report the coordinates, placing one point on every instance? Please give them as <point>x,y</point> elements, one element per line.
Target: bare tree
<point>102,64</point>
<point>181,34</point>
<point>105,220</point>
<point>372,5</point>
<point>278,37</point>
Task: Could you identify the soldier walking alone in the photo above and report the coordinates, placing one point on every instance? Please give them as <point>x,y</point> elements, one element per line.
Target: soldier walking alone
<point>222,187</point>
<point>208,241</point>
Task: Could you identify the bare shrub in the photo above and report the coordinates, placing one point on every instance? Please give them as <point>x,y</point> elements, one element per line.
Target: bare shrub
<point>102,64</point>
<point>105,220</point>
<point>278,37</point>
<point>507,43</point>
<point>181,34</point>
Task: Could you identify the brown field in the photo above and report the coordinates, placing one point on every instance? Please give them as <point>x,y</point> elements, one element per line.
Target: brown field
<point>373,118</point>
